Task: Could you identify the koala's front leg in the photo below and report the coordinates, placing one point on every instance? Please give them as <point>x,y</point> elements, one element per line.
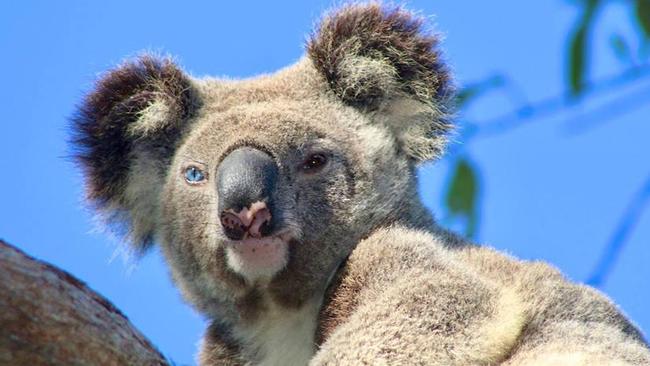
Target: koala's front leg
<point>218,349</point>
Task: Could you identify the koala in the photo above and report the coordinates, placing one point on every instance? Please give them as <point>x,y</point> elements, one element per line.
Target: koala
<point>286,206</point>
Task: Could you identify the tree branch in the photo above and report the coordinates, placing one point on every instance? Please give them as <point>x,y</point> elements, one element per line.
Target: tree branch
<point>48,317</point>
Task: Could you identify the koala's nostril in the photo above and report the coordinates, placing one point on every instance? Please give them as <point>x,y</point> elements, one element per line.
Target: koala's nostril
<point>232,226</point>
<point>254,220</point>
<point>260,225</point>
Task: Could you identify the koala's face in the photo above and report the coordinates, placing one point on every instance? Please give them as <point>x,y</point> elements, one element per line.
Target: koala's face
<point>279,188</point>
<point>266,185</point>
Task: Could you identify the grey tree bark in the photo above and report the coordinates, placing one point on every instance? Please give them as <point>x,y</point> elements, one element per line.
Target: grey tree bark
<point>48,317</point>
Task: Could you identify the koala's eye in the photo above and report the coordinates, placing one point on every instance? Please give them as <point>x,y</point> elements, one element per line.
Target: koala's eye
<point>194,175</point>
<point>314,163</point>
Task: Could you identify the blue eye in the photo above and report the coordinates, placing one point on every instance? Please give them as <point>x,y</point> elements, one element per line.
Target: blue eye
<point>194,175</point>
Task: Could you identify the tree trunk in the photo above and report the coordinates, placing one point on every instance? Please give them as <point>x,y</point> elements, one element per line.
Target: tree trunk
<point>48,317</point>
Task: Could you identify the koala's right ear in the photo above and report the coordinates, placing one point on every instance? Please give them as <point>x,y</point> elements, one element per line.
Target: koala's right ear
<point>382,61</point>
<point>125,133</point>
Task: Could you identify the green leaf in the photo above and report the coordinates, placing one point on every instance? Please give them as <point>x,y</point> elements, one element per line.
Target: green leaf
<point>620,47</point>
<point>642,10</point>
<point>577,55</point>
<point>578,49</point>
<point>462,194</point>
<point>465,95</point>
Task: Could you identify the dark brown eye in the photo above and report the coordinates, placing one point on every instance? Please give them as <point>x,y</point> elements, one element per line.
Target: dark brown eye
<point>314,163</point>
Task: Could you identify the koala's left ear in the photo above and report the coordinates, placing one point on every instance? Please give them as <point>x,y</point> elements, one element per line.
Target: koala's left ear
<point>126,132</point>
<point>381,61</point>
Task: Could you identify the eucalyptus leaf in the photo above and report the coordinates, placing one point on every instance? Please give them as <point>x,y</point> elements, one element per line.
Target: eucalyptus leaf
<point>620,47</point>
<point>466,94</point>
<point>642,10</point>
<point>577,54</point>
<point>462,195</point>
<point>578,48</point>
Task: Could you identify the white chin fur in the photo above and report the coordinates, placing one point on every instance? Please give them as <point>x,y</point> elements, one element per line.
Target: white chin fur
<point>257,259</point>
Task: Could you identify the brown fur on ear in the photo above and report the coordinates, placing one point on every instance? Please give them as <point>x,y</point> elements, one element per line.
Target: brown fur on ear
<point>394,37</point>
<point>140,105</point>
<point>380,59</point>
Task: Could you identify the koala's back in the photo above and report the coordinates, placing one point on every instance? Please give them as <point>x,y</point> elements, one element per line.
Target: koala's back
<point>407,297</point>
<point>562,318</point>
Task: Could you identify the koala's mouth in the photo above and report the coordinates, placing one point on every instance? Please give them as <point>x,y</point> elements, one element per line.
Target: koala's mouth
<point>258,258</point>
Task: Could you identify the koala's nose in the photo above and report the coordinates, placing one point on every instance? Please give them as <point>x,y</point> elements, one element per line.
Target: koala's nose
<point>254,221</point>
<point>245,181</point>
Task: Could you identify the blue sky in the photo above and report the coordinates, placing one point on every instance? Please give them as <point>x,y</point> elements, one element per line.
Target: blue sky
<point>548,192</point>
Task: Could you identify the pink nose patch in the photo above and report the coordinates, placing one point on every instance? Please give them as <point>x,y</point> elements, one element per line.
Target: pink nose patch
<point>248,220</point>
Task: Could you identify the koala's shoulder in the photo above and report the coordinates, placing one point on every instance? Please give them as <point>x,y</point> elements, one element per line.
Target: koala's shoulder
<point>380,262</point>
<point>411,282</point>
<point>400,257</point>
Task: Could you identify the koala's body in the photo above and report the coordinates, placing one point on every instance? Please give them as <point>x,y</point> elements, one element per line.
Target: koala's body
<point>286,206</point>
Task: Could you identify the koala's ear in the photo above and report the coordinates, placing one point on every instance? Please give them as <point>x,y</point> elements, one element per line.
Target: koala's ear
<point>125,134</point>
<point>381,61</point>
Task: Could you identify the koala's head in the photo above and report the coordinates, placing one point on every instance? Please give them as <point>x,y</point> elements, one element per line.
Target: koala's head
<point>265,185</point>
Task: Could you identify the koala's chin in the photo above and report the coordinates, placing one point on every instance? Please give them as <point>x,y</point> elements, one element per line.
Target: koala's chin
<point>258,259</point>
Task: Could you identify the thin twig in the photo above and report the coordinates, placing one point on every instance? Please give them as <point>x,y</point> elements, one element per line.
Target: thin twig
<point>620,236</point>
<point>549,106</point>
<point>615,108</point>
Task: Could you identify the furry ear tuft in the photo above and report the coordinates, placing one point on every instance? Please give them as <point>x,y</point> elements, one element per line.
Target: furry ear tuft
<point>372,57</point>
<point>133,118</point>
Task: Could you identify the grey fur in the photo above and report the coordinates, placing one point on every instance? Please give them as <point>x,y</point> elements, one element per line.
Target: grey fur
<point>370,277</point>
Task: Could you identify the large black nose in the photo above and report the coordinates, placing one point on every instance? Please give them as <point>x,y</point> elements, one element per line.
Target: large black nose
<point>246,179</point>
